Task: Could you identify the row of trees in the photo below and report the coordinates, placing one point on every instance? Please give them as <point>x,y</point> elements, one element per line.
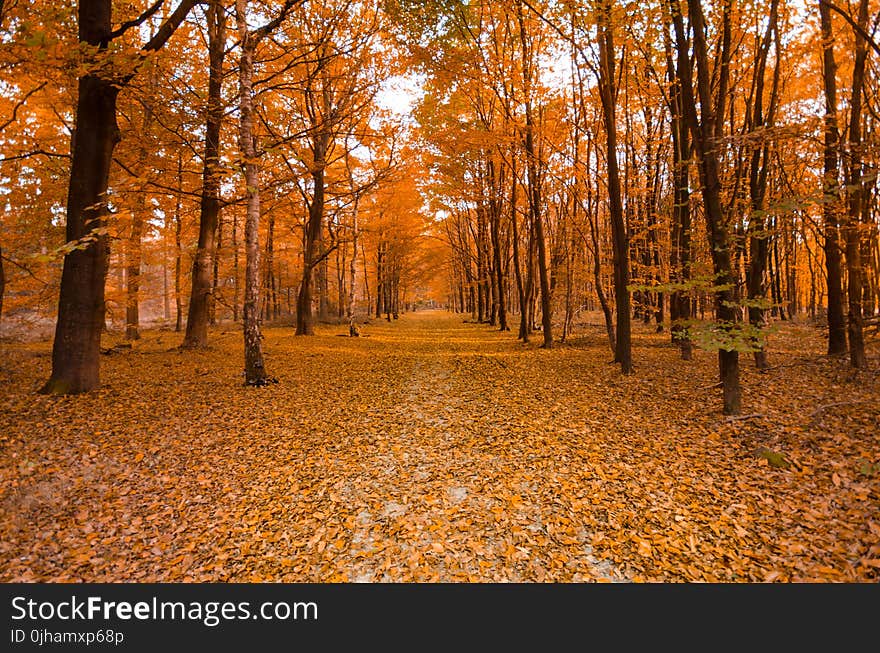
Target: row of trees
<point>652,156</point>
<point>653,159</point>
<point>232,147</point>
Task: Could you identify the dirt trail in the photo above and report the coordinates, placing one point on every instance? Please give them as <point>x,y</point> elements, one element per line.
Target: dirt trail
<point>438,478</point>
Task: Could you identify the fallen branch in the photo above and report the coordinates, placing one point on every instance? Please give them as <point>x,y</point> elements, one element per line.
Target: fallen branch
<point>737,418</point>
<point>835,405</point>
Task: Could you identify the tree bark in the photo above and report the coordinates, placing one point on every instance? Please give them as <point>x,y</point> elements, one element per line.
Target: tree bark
<point>831,204</point>
<point>209,205</point>
<point>254,367</point>
<point>758,171</point>
<point>704,129</point>
<point>534,190</point>
<point>620,240</point>
<point>312,241</point>
<point>855,190</point>
<point>76,348</point>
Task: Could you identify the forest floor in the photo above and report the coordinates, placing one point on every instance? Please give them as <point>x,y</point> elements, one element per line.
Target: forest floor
<point>437,450</point>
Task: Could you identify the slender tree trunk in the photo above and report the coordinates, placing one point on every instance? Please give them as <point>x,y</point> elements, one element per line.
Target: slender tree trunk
<point>855,191</point>
<point>831,204</point>
<point>680,301</point>
<point>138,218</point>
<point>254,367</point>
<point>209,208</point>
<point>706,131</point>
<point>534,186</point>
<point>517,267</point>
<point>215,273</point>
<point>312,241</point>
<point>236,290</point>
<point>352,270</point>
<point>178,249</point>
<point>620,240</point>
<point>2,283</point>
<point>758,172</point>
<point>133,268</point>
<point>269,284</point>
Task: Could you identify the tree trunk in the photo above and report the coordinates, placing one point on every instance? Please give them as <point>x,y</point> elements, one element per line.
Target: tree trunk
<point>255,372</point>
<point>852,230</point>
<point>758,171</point>
<point>495,216</point>
<point>178,249</point>
<point>2,283</point>
<point>352,270</point>
<point>76,348</point>
<point>209,208</point>
<point>831,204</point>
<point>312,241</point>
<point>623,340</point>
<point>705,131</point>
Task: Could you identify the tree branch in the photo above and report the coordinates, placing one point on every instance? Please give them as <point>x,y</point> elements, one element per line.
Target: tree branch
<point>127,25</point>
<point>19,105</point>
<point>858,28</point>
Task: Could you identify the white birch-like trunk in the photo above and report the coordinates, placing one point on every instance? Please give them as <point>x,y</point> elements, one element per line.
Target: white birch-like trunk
<point>255,372</point>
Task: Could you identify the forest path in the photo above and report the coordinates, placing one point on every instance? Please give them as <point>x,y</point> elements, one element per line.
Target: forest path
<point>437,450</point>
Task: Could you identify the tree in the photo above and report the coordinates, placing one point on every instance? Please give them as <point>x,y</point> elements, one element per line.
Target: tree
<point>705,128</point>
<point>75,351</point>
<point>209,206</point>
<point>623,339</point>
<point>254,367</point>
<point>830,204</point>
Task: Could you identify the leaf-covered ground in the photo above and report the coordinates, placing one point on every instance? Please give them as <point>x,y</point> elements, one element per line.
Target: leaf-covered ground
<point>435,450</point>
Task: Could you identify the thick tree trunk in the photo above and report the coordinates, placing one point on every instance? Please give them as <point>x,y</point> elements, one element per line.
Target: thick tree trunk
<point>209,208</point>
<point>76,348</point>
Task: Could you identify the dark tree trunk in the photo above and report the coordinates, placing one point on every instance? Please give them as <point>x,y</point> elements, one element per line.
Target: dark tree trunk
<point>312,241</point>
<point>758,171</point>
<point>209,209</point>
<point>705,128</point>
<point>178,249</point>
<point>623,340</point>
<point>133,272</point>
<point>852,230</point>
<point>2,283</point>
<point>534,187</point>
<point>831,204</point>
<point>680,300</point>
<point>76,348</point>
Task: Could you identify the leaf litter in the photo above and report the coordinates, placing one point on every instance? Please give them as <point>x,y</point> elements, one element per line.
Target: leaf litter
<point>436,450</point>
